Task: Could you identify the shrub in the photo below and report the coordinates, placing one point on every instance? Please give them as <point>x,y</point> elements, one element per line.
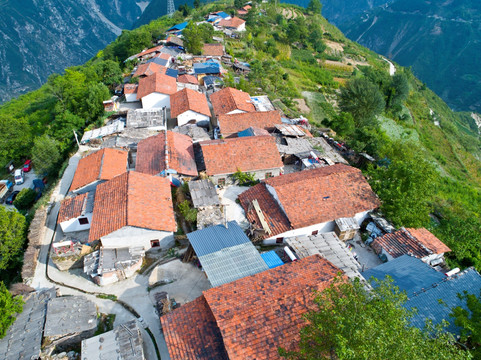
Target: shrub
<point>25,199</point>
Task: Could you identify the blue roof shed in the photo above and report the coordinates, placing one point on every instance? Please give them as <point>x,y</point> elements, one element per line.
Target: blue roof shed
<point>223,15</point>
<point>409,273</point>
<point>272,259</point>
<point>178,27</point>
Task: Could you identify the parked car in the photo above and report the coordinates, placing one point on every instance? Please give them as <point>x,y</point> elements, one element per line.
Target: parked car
<point>27,166</point>
<point>19,177</point>
<point>11,198</point>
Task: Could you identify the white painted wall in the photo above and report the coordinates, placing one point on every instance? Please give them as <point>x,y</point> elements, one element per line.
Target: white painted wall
<point>156,100</point>
<point>130,236</point>
<point>242,27</point>
<point>308,230</point>
<point>74,225</point>
<point>190,115</point>
<point>131,97</point>
<point>182,86</point>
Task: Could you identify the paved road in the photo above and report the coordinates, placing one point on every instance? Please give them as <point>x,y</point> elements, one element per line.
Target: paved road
<point>132,291</point>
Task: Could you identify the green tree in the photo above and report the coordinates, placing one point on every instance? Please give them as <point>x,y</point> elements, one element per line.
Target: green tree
<point>9,307</point>
<point>25,199</point>
<point>97,93</point>
<point>362,99</point>
<point>45,154</point>
<point>12,236</point>
<point>62,128</point>
<point>196,4</point>
<point>192,39</point>
<point>314,6</point>
<point>238,3</point>
<point>405,184</point>
<point>469,320</point>
<point>398,91</point>
<point>109,73</point>
<point>343,124</point>
<point>15,138</point>
<point>353,323</point>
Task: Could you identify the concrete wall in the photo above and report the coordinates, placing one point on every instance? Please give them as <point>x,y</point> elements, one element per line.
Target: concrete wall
<point>115,276</point>
<point>190,115</point>
<point>156,100</point>
<point>308,230</point>
<point>182,86</point>
<point>131,97</point>
<point>130,236</point>
<point>259,175</point>
<point>74,224</point>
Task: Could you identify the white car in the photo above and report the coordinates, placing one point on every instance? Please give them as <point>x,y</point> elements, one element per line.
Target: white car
<point>19,177</point>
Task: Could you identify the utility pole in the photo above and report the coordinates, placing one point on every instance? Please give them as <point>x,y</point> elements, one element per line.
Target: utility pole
<point>170,7</point>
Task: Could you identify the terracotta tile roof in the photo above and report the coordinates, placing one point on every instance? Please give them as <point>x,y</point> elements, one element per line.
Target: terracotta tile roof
<point>130,88</point>
<point>230,99</point>
<point>160,83</point>
<point>213,49</point>
<point>235,22</point>
<point>267,312</point>
<point>132,199</point>
<point>231,124</point>
<point>149,51</point>
<point>414,242</point>
<point>315,196</point>
<point>192,333</point>
<point>188,79</point>
<point>426,238</point>
<point>151,154</point>
<point>101,165</point>
<point>230,155</point>
<point>164,56</point>
<point>71,208</point>
<point>150,69</point>
<point>188,99</point>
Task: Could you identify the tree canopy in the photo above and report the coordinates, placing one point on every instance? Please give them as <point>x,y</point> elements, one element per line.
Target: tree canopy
<point>12,236</point>
<point>9,307</point>
<point>362,99</point>
<point>469,320</point>
<point>351,322</point>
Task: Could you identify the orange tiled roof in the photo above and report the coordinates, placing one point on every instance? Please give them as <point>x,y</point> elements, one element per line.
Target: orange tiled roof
<point>231,124</point>
<point>151,158</point>
<point>188,99</point>
<point>71,208</point>
<point>315,196</point>
<point>250,153</point>
<point>132,199</point>
<point>230,99</point>
<point>101,165</point>
<point>149,69</point>
<point>130,88</point>
<point>414,242</point>
<point>188,79</point>
<point>267,313</point>
<point>160,83</point>
<point>235,22</point>
<point>164,56</point>
<point>149,51</point>
<point>213,49</point>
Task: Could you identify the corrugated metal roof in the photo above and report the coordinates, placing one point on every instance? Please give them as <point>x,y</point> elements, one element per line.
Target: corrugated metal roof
<point>436,303</point>
<point>206,68</point>
<point>272,259</point>
<point>216,238</point>
<point>203,193</point>
<point>409,273</point>
<point>180,26</point>
<point>116,127</point>
<point>172,72</point>
<point>329,247</point>
<point>232,263</point>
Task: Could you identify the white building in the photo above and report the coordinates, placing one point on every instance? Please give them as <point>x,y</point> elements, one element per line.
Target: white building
<point>155,90</point>
<point>189,106</point>
<point>75,213</point>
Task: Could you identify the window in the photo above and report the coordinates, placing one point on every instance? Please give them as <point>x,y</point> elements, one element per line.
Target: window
<point>154,243</point>
<point>315,232</point>
<point>83,221</point>
<point>268,175</point>
<point>221,181</point>
<point>279,240</point>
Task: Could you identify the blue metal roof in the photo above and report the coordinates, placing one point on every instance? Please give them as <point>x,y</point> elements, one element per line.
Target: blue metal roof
<point>172,73</point>
<point>210,80</point>
<point>206,68</point>
<point>158,61</point>
<point>272,259</point>
<point>223,15</point>
<point>216,238</point>
<point>437,302</point>
<point>409,273</point>
<point>180,26</point>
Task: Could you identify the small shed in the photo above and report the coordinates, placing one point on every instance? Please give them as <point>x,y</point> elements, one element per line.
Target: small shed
<point>203,193</point>
<point>346,228</point>
<point>271,259</point>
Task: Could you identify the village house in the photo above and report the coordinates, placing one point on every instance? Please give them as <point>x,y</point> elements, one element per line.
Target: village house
<point>420,243</point>
<point>133,210</point>
<point>148,53</point>
<point>234,24</point>
<point>116,126</point>
<point>231,125</point>
<point>174,41</point>
<point>162,59</point>
<point>98,167</point>
<point>148,69</point>
<point>231,101</point>
<point>214,50</point>
<point>75,213</point>
<point>223,158</point>
<point>177,29</point>
<point>187,81</point>
<point>267,314</point>
<point>207,68</point>
<point>154,91</point>
<point>244,10</point>
<point>215,17</point>
<point>307,202</point>
<point>168,153</point>
<point>154,119</point>
<point>190,106</point>
<point>130,92</point>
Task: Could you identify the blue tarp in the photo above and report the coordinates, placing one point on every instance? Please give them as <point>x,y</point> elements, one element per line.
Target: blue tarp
<point>211,80</point>
<point>206,68</point>
<point>272,259</point>
<point>179,27</point>
<point>172,73</point>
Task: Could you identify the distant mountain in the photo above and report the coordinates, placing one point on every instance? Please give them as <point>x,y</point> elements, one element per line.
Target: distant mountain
<point>38,38</point>
<point>158,8</point>
<point>441,40</point>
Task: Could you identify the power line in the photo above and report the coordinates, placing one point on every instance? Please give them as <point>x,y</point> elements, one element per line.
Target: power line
<point>170,7</point>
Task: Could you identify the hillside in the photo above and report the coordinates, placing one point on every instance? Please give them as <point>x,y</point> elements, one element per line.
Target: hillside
<point>439,40</point>
<point>38,38</point>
